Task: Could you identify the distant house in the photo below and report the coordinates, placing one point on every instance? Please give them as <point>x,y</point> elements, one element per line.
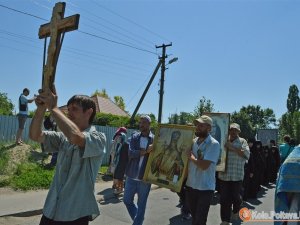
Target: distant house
<point>104,105</point>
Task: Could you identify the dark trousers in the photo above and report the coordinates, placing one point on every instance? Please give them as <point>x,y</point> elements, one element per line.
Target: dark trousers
<point>80,221</point>
<point>230,198</point>
<point>183,200</point>
<point>199,203</point>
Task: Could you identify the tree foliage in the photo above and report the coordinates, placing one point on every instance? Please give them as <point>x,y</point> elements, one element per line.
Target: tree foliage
<point>119,102</point>
<point>293,101</point>
<point>103,119</point>
<point>101,93</point>
<point>289,122</point>
<point>204,105</point>
<point>6,106</point>
<point>182,118</point>
<point>251,118</point>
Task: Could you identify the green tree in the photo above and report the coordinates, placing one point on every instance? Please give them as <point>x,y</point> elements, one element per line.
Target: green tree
<point>183,118</point>
<point>289,122</point>
<point>204,105</point>
<point>6,106</point>
<point>253,117</point>
<point>262,118</point>
<point>248,130</point>
<point>101,93</point>
<point>173,119</point>
<point>293,101</point>
<point>119,102</point>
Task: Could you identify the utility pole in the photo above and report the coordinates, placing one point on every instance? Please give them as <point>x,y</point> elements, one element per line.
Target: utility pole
<point>162,79</point>
<point>145,92</point>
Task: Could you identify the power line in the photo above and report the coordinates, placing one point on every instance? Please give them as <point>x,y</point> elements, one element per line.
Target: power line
<point>106,61</point>
<point>90,54</point>
<point>109,34</point>
<point>28,14</point>
<point>116,42</point>
<point>109,28</point>
<point>105,26</point>
<point>74,53</point>
<point>129,20</point>
<point>92,35</point>
<point>115,25</point>
<point>72,63</point>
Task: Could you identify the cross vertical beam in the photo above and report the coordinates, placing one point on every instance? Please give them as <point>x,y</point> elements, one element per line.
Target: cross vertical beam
<point>55,30</point>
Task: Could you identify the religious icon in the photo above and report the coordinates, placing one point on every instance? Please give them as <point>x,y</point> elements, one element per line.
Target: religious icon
<point>219,131</point>
<point>167,163</point>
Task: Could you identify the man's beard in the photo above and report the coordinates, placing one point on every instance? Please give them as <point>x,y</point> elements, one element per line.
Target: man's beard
<point>201,134</point>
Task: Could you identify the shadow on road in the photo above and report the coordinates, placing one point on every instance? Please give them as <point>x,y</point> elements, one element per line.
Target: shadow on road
<point>177,220</point>
<point>25,214</point>
<point>109,197</point>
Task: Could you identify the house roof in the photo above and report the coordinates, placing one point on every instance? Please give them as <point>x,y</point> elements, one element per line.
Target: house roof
<point>104,105</point>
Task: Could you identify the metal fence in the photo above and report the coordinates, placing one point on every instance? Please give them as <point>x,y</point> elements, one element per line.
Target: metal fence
<point>9,127</point>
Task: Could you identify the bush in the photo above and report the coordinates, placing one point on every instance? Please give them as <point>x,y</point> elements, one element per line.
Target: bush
<point>104,119</point>
<point>32,176</point>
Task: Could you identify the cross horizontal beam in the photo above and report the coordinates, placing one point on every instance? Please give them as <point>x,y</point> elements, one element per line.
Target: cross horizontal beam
<point>67,24</point>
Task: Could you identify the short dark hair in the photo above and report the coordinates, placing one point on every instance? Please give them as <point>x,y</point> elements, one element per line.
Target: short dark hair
<point>287,138</point>
<point>86,103</point>
<point>26,90</point>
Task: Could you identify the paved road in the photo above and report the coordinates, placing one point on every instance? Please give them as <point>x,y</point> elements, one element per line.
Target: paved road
<point>17,209</point>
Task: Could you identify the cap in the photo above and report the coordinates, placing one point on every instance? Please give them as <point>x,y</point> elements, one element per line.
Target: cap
<point>204,119</point>
<point>121,129</point>
<point>235,126</point>
<point>146,117</point>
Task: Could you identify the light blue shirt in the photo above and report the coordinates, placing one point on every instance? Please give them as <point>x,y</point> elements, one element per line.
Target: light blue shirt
<point>200,179</point>
<point>284,151</point>
<point>71,195</point>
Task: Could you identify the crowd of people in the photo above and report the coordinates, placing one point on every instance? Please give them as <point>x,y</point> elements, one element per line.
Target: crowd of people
<point>81,149</point>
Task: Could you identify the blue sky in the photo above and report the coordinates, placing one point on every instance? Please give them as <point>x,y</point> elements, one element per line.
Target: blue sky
<point>234,53</point>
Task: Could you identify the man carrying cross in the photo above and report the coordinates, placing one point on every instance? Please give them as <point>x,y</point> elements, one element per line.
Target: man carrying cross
<point>71,199</point>
<point>80,148</point>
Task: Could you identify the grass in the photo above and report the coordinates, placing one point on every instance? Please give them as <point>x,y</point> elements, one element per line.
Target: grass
<point>32,176</point>
<point>34,145</point>
<point>103,169</point>
<point>4,158</point>
<point>29,175</point>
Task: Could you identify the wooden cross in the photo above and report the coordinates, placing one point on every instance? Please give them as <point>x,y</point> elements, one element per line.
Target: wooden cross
<point>55,29</point>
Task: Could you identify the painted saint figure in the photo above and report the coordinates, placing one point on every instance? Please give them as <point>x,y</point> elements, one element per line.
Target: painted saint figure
<point>168,164</point>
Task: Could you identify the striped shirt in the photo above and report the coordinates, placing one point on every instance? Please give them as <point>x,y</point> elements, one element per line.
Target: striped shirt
<point>235,163</point>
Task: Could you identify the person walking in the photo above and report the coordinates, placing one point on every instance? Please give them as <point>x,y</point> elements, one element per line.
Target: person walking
<point>203,158</point>
<point>120,161</point>
<point>71,198</point>
<point>140,145</point>
<point>231,180</point>
<point>285,148</point>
